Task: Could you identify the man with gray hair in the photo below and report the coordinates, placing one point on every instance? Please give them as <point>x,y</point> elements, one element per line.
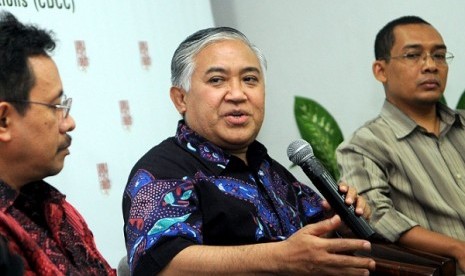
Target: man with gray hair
<point>210,200</point>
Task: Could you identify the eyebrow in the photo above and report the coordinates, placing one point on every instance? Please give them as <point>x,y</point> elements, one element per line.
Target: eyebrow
<point>250,69</point>
<point>224,71</point>
<point>215,70</point>
<point>59,95</point>
<point>419,46</point>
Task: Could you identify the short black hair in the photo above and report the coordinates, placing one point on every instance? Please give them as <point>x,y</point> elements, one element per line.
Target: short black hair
<point>385,38</point>
<point>18,42</point>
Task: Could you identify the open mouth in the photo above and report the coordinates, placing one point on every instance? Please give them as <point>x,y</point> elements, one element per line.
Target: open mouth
<point>237,114</point>
<point>237,117</point>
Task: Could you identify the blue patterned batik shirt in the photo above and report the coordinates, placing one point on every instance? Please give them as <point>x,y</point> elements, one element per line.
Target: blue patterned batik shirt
<point>187,191</point>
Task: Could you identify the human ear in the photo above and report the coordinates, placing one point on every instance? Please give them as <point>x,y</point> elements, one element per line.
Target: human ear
<point>178,96</point>
<point>5,110</point>
<point>379,70</point>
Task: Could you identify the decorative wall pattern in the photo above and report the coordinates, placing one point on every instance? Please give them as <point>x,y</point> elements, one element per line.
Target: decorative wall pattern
<point>114,61</point>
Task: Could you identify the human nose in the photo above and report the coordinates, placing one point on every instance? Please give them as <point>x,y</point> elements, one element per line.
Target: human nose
<point>67,124</point>
<point>236,91</point>
<point>426,56</point>
<point>429,64</point>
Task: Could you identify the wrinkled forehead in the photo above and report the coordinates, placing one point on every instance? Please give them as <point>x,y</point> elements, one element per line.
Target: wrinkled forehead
<point>227,53</point>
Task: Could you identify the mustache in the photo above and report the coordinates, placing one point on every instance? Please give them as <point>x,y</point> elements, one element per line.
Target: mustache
<point>430,80</point>
<point>66,143</point>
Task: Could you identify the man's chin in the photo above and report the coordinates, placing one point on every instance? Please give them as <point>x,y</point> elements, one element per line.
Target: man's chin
<point>56,169</point>
<point>429,102</point>
<point>237,144</point>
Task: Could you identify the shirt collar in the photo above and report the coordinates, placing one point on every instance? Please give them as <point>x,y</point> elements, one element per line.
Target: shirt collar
<point>402,125</point>
<point>213,156</point>
<point>37,189</point>
<point>8,196</point>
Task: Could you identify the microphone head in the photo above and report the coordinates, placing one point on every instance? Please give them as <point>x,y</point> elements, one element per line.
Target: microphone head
<point>299,151</point>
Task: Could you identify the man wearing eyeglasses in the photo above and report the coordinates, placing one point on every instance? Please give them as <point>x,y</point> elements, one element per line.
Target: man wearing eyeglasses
<point>409,162</point>
<point>38,223</point>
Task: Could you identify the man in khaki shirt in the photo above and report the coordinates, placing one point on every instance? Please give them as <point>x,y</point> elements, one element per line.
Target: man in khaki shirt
<point>409,162</point>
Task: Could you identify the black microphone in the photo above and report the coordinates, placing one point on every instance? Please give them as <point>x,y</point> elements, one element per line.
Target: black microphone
<point>300,153</point>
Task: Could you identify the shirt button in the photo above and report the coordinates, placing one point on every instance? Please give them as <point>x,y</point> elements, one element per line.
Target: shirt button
<point>459,176</point>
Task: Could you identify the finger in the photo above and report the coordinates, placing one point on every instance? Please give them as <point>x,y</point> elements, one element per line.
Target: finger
<point>348,245</point>
<point>343,187</point>
<point>346,271</point>
<point>323,227</point>
<point>366,210</point>
<point>325,205</point>
<point>339,262</point>
<point>351,195</point>
<point>348,264</point>
<point>361,206</point>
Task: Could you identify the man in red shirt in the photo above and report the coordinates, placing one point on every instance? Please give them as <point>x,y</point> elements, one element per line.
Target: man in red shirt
<point>38,223</point>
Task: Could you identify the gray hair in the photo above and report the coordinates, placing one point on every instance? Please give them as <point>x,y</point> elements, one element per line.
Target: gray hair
<point>182,63</point>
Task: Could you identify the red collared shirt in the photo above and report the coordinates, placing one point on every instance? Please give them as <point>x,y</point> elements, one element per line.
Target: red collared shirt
<point>48,233</point>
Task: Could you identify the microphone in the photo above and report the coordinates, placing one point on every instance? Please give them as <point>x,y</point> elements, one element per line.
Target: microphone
<point>300,153</point>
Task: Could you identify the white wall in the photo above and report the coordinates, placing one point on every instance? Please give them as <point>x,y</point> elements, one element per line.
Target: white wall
<point>324,50</point>
<point>111,31</point>
<point>318,49</point>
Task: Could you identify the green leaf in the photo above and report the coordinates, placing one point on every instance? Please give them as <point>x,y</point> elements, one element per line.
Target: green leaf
<point>461,103</point>
<point>320,129</point>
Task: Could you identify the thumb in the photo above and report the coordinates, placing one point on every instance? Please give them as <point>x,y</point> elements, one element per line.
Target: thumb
<point>323,227</point>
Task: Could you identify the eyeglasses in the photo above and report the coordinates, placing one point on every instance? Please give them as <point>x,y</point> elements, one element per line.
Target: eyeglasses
<point>441,58</point>
<point>65,105</point>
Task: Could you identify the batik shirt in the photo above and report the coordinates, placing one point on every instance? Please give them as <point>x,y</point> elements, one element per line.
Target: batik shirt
<point>187,191</point>
<point>47,233</point>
